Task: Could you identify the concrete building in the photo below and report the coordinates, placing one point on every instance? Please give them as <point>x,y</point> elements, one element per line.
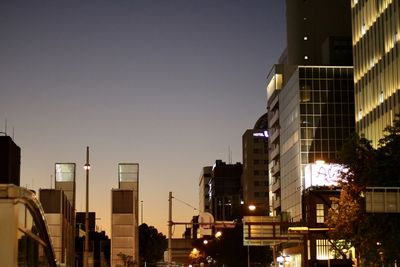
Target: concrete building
<point>376,45</point>
<point>60,220</point>
<point>225,191</point>
<point>59,207</point>
<point>25,239</point>
<point>255,166</point>
<point>124,215</point>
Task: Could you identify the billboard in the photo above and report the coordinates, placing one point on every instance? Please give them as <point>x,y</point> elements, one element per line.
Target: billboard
<point>322,174</point>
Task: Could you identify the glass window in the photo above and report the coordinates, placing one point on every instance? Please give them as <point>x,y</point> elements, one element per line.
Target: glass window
<point>320,213</point>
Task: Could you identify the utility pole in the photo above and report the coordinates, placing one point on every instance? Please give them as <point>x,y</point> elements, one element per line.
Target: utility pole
<point>170,230</point>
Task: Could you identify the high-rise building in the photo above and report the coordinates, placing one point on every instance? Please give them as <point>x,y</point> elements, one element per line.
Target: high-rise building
<point>318,32</point>
<point>376,46</point>
<point>124,215</point>
<point>225,191</point>
<point>316,115</point>
<point>255,166</point>
<point>310,105</point>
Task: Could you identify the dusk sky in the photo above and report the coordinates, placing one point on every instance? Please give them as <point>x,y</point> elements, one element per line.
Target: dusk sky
<point>169,84</point>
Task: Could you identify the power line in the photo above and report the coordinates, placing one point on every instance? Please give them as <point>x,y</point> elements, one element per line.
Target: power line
<point>187,204</point>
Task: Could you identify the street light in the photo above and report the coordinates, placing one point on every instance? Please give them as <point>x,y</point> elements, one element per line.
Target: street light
<point>86,167</point>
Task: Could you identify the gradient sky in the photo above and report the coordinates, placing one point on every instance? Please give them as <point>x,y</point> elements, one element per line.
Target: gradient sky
<point>169,84</point>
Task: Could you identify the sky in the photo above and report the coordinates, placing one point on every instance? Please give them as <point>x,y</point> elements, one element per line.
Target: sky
<point>169,84</point>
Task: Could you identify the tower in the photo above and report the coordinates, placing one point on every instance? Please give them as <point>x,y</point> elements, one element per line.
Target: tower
<point>124,215</point>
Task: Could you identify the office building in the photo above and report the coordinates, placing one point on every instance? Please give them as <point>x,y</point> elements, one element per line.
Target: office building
<point>376,45</point>
<point>318,32</point>
<point>310,105</point>
<point>225,191</point>
<point>124,215</point>
<point>255,167</point>
<point>316,115</point>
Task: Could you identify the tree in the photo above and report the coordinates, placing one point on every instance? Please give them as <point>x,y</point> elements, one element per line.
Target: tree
<point>375,236</point>
<point>126,259</point>
<point>152,245</point>
<point>228,250</point>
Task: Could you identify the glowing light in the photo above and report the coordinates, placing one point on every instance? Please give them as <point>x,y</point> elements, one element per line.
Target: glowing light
<point>252,207</point>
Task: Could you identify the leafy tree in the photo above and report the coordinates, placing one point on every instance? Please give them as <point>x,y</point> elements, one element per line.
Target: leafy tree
<point>375,236</point>
<point>152,245</point>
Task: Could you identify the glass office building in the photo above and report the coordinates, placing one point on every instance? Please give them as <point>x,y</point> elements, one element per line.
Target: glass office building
<point>316,116</point>
<point>376,38</point>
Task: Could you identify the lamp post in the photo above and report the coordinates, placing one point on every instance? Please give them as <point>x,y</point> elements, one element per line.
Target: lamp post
<point>86,167</point>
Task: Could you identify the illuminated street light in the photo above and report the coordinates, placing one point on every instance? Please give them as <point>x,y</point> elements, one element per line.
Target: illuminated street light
<point>218,234</point>
<point>252,207</point>
<point>86,167</point>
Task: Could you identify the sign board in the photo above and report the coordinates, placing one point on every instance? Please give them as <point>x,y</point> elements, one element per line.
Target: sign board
<point>322,174</point>
<point>206,221</point>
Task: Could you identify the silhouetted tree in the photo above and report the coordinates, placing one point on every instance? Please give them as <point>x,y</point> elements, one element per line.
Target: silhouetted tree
<point>230,251</point>
<point>152,245</point>
<point>375,236</point>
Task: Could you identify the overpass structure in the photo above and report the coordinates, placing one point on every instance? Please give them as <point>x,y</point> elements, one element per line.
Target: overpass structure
<point>24,235</point>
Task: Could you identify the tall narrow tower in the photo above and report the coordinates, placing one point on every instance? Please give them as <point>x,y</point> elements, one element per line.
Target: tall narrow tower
<point>125,215</point>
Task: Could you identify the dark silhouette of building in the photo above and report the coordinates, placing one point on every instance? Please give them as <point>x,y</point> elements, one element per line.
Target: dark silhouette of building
<point>225,191</point>
<point>99,242</point>
<point>10,161</point>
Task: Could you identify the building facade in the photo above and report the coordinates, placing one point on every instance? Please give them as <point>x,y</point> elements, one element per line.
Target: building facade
<point>204,179</point>
<point>225,191</point>
<point>376,46</point>
<point>255,166</point>
<point>124,215</point>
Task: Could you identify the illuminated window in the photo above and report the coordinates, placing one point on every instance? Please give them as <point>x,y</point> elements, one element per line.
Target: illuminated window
<point>320,213</point>
<point>363,29</point>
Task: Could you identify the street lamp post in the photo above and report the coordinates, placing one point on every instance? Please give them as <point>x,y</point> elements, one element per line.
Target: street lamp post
<point>87,168</point>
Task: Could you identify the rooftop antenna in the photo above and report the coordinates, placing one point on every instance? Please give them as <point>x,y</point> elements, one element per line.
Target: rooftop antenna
<point>5,129</point>
<point>229,155</point>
